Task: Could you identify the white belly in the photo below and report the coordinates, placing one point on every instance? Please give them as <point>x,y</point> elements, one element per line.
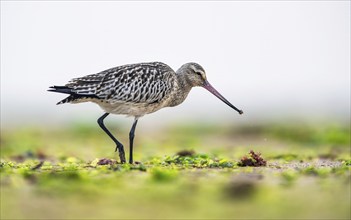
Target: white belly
<point>129,109</point>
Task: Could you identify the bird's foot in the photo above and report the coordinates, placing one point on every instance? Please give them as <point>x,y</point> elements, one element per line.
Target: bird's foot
<point>122,157</point>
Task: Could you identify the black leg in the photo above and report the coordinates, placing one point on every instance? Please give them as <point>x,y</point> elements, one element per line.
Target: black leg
<point>119,146</point>
<point>131,139</point>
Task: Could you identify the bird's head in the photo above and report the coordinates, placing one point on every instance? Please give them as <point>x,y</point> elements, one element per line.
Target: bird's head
<point>195,76</point>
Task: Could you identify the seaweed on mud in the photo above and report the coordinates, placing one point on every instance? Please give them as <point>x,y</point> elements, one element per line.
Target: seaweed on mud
<point>184,153</point>
<point>252,160</point>
<point>106,161</point>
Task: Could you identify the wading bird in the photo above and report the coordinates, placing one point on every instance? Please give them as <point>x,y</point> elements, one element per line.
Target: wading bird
<point>136,90</point>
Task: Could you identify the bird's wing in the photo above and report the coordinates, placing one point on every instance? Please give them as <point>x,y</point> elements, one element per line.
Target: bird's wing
<point>88,85</point>
<point>136,83</point>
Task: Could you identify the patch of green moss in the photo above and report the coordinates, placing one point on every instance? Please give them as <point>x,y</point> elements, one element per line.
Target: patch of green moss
<point>334,134</point>
<point>289,177</point>
<point>313,171</point>
<point>347,162</point>
<point>195,161</point>
<point>286,157</point>
<point>163,175</point>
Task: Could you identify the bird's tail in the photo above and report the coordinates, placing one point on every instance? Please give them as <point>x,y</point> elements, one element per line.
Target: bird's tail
<point>65,90</point>
<point>73,96</point>
<point>60,89</point>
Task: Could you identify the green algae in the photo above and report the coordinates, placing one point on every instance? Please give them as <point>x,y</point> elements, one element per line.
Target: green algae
<point>56,174</point>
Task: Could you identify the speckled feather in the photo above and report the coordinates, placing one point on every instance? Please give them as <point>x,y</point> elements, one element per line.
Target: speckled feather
<point>136,83</point>
<point>135,89</point>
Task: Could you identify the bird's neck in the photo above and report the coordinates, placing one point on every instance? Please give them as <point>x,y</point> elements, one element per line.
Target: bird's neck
<point>184,83</point>
<point>182,89</point>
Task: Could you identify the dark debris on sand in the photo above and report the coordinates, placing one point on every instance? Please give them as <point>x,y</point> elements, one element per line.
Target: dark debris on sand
<point>106,161</point>
<point>252,160</point>
<point>186,153</point>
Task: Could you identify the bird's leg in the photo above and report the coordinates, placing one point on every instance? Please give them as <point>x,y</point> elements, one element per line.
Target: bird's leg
<point>119,146</point>
<point>131,139</point>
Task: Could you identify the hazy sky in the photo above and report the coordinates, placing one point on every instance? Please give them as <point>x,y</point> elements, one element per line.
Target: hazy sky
<point>269,58</point>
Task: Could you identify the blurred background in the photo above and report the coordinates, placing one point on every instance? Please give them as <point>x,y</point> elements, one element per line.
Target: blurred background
<point>275,60</point>
<point>286,64</point>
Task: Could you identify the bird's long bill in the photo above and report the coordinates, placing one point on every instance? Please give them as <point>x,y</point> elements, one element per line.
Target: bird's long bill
<point>212,90</point>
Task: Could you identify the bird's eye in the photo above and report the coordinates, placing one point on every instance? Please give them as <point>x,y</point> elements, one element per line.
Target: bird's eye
<point>198,73</point>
